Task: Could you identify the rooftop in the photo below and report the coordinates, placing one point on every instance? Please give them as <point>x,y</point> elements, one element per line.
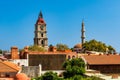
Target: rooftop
<point>102,59</point>
<point>6,66</point>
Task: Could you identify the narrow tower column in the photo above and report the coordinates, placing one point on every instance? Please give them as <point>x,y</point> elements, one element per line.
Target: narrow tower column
<point>83,33</point>
<point>40,38</point>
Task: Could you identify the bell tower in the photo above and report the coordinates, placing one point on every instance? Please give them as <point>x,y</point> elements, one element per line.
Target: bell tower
<point>83,33</point>
<point>40,38</point>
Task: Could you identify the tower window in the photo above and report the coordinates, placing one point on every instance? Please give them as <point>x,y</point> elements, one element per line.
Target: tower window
<point>42,35</point>
<point>41,28</point>
<point>42,42</point>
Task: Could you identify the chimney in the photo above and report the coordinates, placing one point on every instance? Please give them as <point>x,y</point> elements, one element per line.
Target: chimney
<point>114,53</point>
<point>52,49</point>
<point>108,54</point>
<point>14,53</point>
<point>26,48</point>
<point>100,54</point>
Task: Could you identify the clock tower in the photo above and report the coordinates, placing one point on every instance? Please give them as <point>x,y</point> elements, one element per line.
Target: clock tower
<point>40,38</point>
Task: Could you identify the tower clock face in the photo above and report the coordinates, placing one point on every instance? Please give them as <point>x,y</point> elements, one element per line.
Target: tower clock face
<point>41,27</point>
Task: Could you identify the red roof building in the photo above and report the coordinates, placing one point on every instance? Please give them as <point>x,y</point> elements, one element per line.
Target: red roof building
<point>8,69</point>
<point>103,63</point>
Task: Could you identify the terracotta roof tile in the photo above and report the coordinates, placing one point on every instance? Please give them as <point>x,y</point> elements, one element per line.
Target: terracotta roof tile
<point>6,66</point>
<point>102,59</point>
<point>40,21</point>
<point>34,52</point>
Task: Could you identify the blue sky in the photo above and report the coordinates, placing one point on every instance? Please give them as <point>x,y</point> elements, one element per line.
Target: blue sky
<point>63,18</point>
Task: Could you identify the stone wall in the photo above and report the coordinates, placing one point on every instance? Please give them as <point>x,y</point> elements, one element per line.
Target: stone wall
<point>31,71</point>
<point>106,68</point>
<point>48,61</point>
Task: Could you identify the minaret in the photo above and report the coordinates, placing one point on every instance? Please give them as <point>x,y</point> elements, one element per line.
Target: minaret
<point>40,38</point>
<point>83,33</point>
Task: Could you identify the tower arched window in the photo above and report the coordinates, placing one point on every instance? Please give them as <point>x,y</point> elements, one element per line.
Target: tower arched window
<point>42,35</point>
<point>42,42</point>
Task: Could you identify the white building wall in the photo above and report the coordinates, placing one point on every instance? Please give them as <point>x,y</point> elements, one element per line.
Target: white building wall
<point>21,62</point>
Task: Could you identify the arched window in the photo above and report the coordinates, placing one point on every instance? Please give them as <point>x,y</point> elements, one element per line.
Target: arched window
<point>41,34</point>
<point>73,56</point>
<point>42,42</point>
<point>68,57</point>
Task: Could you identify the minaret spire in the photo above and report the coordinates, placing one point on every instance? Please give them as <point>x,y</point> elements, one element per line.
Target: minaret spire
<point>83,33</point>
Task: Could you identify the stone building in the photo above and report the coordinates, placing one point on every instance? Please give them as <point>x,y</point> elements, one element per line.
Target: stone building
<point>40,38</point>
<point>50,60</point>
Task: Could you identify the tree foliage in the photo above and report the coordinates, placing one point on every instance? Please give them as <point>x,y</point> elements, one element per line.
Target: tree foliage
<point>62,47</point>
<point>74,67</point>
<point>79,77</point>
<point>48,76</point>
<point>0,51</point>
<point>36,48</point>
<point>98,46</point>
<point>53,76</point>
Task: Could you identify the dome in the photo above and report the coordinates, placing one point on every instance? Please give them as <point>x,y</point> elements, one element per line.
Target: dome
<point>78,46</point>
<point>21,76</point>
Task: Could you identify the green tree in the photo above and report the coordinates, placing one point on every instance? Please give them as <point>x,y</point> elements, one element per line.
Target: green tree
<point>48,76</point>
<point>62,47</point>
<point>0,51</point>
<point>111,49</point>
<point>74,67</point>
<point>36,48</point>
<point>94,45</point>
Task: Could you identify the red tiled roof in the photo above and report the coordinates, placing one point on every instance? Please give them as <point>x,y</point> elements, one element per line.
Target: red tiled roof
<point>34,52</point>
<point>6,78</point>
<point>6,66</point>
<point>102,59</point>
<point>3,58</point>
<point>40,21</point>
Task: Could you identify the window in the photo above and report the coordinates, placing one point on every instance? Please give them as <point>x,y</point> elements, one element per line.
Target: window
<point>42,42</point>
<point>68,57</point>
<point>42,35</point>
<point>73,56</point>
<point>7,75</point>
